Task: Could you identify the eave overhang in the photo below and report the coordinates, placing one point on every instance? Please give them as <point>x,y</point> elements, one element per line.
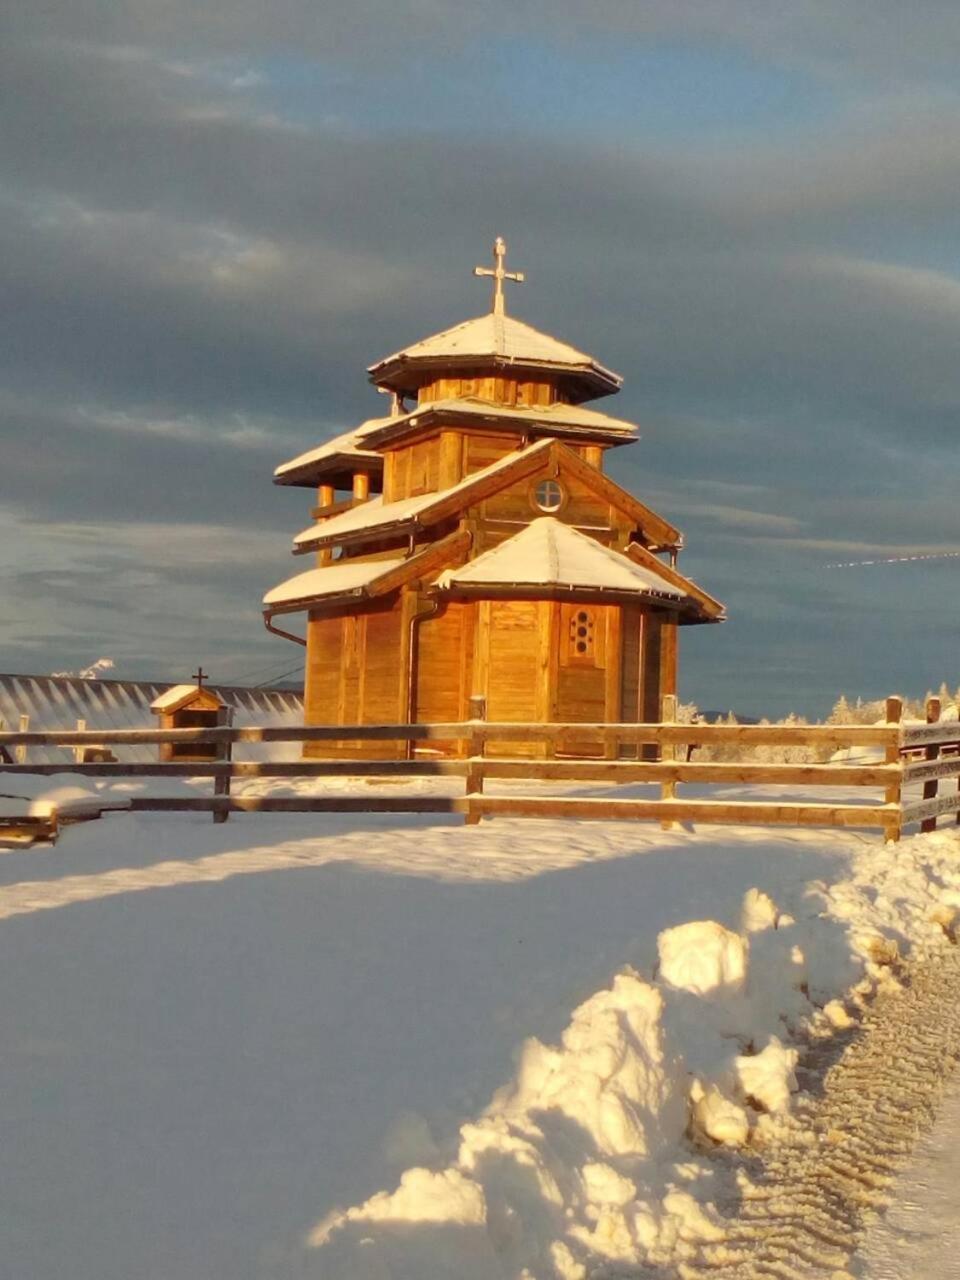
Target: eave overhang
<point>334,467</point>
<point>531,423</point>
<point>406,374</point>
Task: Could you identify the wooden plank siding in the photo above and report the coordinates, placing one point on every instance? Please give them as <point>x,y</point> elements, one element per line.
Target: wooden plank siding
<point>353,677</point>
<point>444,669</point>
<point>479,385</point>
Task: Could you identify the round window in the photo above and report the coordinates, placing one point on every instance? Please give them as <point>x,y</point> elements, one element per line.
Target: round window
<point>548,495</point>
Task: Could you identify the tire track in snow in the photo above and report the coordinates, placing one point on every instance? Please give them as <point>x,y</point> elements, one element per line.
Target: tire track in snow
<point>797,1212</point>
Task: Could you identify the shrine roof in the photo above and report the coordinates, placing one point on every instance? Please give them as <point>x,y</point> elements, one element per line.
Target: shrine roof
<point>548,553</point>
<point>501,339</point>
<point>179,695</point>
<point>349,578</point>
<point>377,515</point>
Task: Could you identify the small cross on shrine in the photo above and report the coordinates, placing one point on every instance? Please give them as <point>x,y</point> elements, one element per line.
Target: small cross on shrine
<point>200,675</point>
<point>499,273</point>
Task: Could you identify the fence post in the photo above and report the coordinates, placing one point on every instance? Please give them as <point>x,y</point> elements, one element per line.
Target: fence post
<point>78,751</point>
<point>20,750</point>
<point>892,756</point>
<point>668,752</point>
<point>221,783</point>
<point>475,748</point>
<point>930,789</point>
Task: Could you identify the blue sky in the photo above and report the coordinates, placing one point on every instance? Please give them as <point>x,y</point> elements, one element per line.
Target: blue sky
<point>213,219</point>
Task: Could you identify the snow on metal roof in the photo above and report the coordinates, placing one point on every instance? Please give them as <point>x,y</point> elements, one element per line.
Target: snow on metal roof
<point>330,580</point>
<point>498,336</point>
<point>58,702</point>
<point>549,553</point>
<point>376,513</point>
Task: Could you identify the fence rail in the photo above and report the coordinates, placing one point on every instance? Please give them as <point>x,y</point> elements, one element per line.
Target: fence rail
<point>925,756</point>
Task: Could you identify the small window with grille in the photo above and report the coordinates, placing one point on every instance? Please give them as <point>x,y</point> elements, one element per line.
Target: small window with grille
<point>580,637</point>
<point>548,495</point>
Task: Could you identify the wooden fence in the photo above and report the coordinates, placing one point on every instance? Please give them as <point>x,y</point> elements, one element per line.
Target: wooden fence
<point>908,756</point>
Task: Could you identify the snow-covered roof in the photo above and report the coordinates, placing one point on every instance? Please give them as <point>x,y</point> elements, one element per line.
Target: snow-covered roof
<point>557,417</point>
<point>500,338</point>
<point>377,514</point>
<point>549,553</point>
<point>349,578</point>
<point>175,696</point>
<point>346,445</point>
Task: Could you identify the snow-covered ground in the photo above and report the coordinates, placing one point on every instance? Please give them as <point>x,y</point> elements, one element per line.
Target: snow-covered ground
<point>320,1046</point>
<point>919,1236</point>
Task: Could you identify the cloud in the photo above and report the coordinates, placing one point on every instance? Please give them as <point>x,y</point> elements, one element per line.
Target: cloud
<point>197,265</point>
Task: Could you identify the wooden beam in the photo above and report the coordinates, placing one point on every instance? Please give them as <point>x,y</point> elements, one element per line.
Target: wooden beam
<point>748,735</point>
<point>932,752</point>
<point>710,811</point>
<point>923,810</point>
<point>894,790</point>
<point>631,771</point>
<point>301,804</point>
<point>922,735</point>
<point>437,556</point>
<point>922,771</point>
<point>253,769</point>
<point>613,771</point>
<point>333,508</point>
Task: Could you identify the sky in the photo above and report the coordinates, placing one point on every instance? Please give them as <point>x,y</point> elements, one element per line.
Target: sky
<point>213,217</point>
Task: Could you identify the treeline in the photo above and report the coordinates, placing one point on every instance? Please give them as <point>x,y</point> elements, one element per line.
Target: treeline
<point>844,711</point>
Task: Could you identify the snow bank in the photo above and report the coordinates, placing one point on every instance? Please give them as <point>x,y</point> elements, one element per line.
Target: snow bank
<point>70,795</point>
<point>589,1156</point>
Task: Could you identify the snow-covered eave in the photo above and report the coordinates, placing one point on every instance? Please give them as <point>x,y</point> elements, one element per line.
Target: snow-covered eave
<point>711,608</point>
<point>331,600</point>
<point>529,421</point>
<point>689,609</point>
<point>390,373</point>
<point>404,528</point>
<point>308,471</point>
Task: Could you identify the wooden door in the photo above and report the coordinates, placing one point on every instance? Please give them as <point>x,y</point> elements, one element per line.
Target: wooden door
<point>582,659</point>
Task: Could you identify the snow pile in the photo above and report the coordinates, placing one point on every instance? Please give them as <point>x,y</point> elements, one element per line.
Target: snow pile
<point>587,1156</point>
<point>65,794</point>
<point>595,1154</point>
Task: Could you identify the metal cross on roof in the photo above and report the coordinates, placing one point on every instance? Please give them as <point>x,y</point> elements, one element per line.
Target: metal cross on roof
<point>499,274</point>
<point>200,675</point>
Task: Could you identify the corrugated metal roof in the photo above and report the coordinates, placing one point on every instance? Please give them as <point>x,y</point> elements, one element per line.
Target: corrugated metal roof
<point>58,702</point>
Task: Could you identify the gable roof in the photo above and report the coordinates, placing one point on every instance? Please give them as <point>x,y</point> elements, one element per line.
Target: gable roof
<point>376,518</point>
<point>499,339</point>
<point>550,553</point>
<point>179,695</point>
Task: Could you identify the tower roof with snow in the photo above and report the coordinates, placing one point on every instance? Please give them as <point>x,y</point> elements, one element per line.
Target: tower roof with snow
<point>498,342</point>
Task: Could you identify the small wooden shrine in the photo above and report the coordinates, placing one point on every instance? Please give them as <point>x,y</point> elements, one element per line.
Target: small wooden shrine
<point>189,706</point>
<point>469,544</point>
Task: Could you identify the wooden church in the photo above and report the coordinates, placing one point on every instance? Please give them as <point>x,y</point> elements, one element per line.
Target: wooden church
<point>470,544</point>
